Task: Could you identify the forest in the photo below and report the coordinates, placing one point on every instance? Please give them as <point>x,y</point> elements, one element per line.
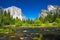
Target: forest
<point>6,20</point>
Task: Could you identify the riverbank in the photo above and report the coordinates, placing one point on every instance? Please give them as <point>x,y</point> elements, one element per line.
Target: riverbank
<point>13,29</point>
<point>31,34</point>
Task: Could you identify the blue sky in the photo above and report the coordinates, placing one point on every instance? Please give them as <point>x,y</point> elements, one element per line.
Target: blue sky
<point>30,8</point>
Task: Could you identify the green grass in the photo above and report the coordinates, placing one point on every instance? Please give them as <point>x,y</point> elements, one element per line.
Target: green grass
<point>7,30</point>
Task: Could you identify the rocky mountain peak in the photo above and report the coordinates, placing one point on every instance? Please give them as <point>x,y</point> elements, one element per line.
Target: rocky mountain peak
<point>15,12</point>
<point>51,7</point>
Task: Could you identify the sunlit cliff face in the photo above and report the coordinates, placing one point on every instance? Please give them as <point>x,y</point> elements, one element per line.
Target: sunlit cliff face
<point>15,12</point>
<point>50,8</point>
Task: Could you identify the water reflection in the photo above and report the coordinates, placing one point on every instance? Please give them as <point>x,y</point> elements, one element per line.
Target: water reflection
<point>32,34</point>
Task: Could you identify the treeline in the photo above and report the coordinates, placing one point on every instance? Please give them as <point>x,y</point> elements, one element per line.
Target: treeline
<point>52,18</point>
<point>6,19</point>
<point>49,20</point>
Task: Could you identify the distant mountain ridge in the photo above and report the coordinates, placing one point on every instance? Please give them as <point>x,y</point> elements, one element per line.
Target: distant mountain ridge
<point>15,12</point>
<point>51,8</point>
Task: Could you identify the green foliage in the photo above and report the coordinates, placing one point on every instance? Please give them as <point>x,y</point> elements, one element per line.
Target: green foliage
<point>57,20</point>
<point>50,20</point>
<point>37,22</point>
<point>5,30</point>
<point>18,22</point>
<point>38,37</point>
<point>6,18</point>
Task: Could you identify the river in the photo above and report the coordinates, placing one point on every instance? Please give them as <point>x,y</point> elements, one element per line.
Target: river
<point>29,34</point>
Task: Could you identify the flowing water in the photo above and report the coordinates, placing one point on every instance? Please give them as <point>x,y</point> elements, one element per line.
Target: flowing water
<point>29,34</point>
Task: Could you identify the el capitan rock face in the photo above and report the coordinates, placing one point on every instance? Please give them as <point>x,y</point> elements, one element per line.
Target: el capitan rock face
<point>15,12</point>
